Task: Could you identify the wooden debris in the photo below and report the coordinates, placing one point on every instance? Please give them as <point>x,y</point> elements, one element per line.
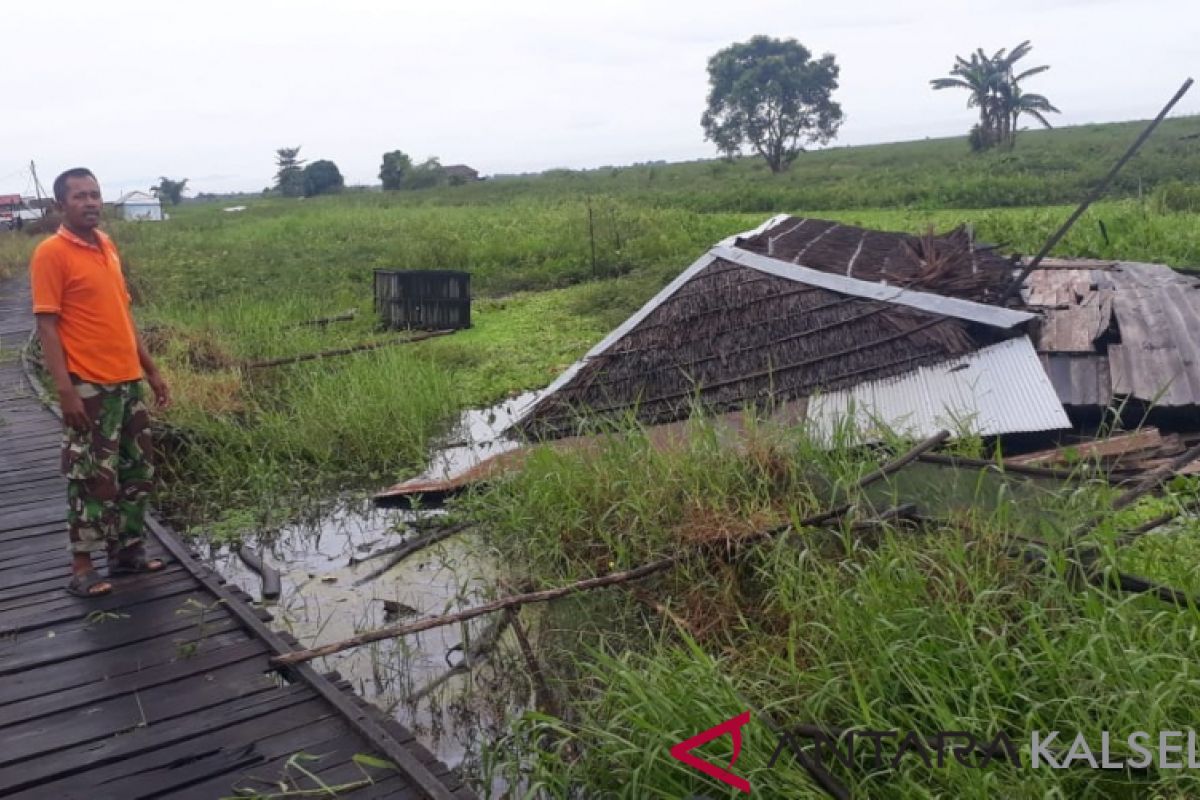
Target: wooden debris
<point>358,348</point>
<point>403,551</point>
<point>1125,447</point>
<point>346,316</point>
<point>270,576</point>
<point>545,698</point>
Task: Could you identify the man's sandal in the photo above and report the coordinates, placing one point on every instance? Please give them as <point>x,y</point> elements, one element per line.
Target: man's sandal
<point>83,584</point>
<point>133,562</point>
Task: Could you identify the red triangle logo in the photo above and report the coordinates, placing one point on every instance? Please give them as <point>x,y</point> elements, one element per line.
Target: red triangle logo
<point>683,751</point>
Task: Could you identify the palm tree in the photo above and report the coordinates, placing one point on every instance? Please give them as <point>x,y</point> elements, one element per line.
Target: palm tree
<point>979,77</point>
<point>996,91</point>
<point>1035,105</point>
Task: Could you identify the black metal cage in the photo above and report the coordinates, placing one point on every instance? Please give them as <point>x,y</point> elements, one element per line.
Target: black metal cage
<point>423,299</point>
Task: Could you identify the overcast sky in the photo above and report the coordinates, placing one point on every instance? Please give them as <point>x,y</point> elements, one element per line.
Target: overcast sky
<point>208,89</point>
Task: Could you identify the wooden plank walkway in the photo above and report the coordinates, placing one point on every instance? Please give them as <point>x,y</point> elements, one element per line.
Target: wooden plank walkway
<point>163,688</point>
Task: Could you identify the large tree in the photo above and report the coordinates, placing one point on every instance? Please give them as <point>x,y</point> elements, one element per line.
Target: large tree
<point>427,174</point>
<point>995,87</point>
<point>322,177</point>
<point>169,190</point>
<point>772,95</point>
<point>395,169</point>
<point>289,177</point>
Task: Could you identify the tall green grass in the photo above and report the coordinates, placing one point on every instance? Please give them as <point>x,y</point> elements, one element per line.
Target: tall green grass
<point>1045,167</point>
<point>894,629</point>
<point>15,250</point>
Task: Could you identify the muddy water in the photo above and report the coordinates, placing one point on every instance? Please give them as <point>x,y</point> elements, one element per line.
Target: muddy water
<point>420,679</point>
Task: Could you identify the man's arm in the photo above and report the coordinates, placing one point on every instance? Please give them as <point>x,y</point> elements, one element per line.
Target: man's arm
<point>162,392</point>
<point>56,364</point>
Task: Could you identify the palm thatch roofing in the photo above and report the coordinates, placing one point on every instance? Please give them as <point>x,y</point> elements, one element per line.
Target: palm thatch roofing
<point>744,327</point>
<point>950,264</point>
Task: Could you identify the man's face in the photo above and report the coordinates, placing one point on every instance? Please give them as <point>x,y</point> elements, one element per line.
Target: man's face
<point>82,205</point>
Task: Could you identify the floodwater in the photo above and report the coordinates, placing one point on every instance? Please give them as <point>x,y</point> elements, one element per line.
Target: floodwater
<point>453,703</point>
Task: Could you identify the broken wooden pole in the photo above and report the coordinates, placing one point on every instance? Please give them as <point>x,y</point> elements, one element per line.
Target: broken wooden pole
<point>1156,477</point>
<point>394,631</point>
<point>999,466</point>
<point>1131,536</point>
<point>887,469</point>
<point>541,688</point>
<point>269,575</point>
<point>346,316</point>
<point>342,351</point>
<point>403,551</point>
<point>1015,286</point>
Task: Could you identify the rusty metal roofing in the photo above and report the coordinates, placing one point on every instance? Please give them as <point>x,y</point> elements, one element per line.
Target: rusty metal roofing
<point>995,390</point>
<point>1119,330</point>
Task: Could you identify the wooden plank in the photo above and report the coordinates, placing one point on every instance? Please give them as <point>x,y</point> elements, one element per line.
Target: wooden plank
<point>236,742</point>
<point>326,738</point>
<point>35,649</point>
<point>169,672</point>
<point>144,740</point>
<point>1147,439</point>
<point>123,600</point>
<point>41,523</point>
<point>142,710</point>
<point>361,721</point>
<point>131,658</point>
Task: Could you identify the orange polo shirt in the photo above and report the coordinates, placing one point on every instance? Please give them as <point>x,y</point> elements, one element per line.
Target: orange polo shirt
<point>83,285</point>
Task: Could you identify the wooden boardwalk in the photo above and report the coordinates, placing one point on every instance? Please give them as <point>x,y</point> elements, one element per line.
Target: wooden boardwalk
<point>163,688</point>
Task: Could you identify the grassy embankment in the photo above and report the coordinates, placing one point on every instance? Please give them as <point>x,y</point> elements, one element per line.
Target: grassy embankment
<point>895,629</point>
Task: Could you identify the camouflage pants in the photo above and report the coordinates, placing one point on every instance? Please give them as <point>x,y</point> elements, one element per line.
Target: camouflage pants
<point>108,468</point>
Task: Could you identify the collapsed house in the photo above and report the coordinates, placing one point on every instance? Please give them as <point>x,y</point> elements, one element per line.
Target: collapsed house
<point>811,320</point>
<point>808,321</point>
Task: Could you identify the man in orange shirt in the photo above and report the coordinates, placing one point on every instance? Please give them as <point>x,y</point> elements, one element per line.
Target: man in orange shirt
<point>97,361</point>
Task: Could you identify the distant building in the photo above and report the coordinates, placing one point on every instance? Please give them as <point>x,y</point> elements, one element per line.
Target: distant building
<point>10,204</point>
<point>138,205</point>
<point>460,173</point>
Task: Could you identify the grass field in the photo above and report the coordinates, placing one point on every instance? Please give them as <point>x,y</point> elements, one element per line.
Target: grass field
<point>941,629</point>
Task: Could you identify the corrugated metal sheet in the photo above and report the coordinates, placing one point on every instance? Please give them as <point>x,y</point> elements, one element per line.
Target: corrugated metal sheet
<point>934,303</point>
<point>1081,379</point>
<point>999,389</point>
<point>1154,354</point>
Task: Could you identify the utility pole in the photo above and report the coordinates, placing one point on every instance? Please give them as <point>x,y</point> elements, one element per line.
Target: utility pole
<point>37,186</point>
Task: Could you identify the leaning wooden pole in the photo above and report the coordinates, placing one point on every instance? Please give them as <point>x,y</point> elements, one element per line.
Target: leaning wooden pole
<point>394,631</point>
<point>1015,286</point>
<point>609,579</point>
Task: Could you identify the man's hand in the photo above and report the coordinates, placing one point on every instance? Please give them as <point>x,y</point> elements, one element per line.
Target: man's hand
<point>162,392</point>
<point>72,410</point>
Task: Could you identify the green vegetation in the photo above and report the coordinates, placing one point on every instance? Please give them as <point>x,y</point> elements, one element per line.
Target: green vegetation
<point>1044,168</point>
<point>773,96</point>
<point>927,630</point>
<point>995,88</point>
<point>890,629</point>
<point>169,191</point>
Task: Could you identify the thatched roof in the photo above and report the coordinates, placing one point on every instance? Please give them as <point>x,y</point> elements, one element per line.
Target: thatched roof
<point>736,332</point>
<point>948,264</point>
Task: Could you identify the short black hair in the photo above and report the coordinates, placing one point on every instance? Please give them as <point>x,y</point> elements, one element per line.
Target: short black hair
<point>60,183</point>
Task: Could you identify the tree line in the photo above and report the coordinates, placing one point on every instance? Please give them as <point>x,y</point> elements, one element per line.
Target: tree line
<point>772,96</point>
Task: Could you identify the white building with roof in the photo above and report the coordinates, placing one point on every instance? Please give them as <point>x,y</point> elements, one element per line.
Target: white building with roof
<point>138,205</point>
